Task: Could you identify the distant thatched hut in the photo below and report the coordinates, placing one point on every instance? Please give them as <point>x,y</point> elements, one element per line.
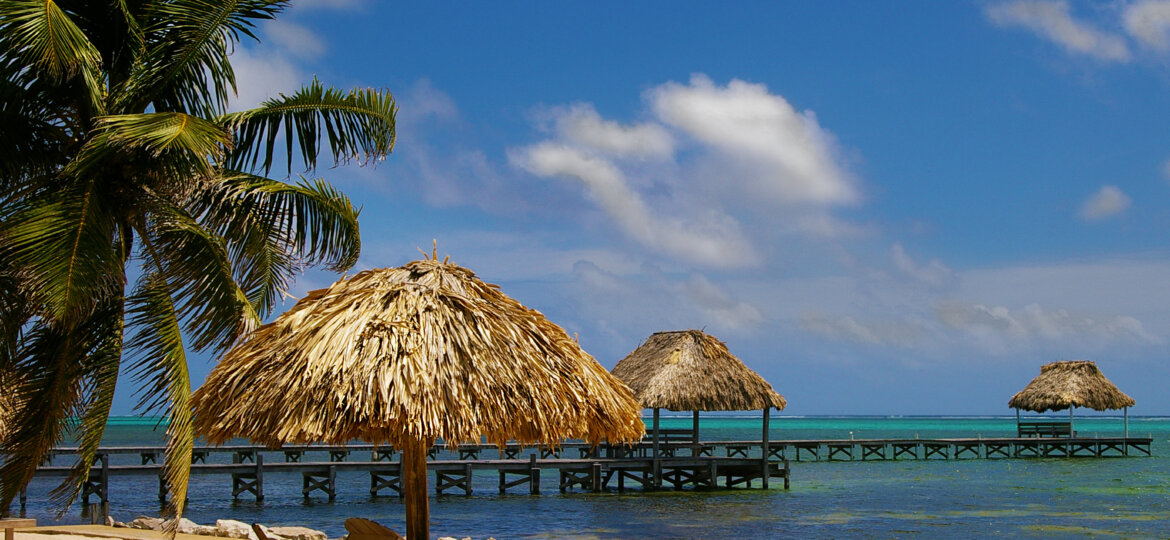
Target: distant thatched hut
<point>689,370</point>
<point>1068,384</point>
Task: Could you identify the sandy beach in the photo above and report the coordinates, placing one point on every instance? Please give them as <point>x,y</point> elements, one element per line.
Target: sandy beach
<point>90,532</point>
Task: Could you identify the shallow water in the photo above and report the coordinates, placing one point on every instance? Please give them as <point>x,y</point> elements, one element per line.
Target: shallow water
<point>1040,498</point>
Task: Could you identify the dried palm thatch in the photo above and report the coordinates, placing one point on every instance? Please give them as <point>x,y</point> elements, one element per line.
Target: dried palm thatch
<point>689,370</point>
<point>1071,383</point>
<point>407,356</point>
<point>418,353</point>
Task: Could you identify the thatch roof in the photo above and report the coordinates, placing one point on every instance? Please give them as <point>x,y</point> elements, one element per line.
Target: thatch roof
<point>1072,383</point>
<point>689,370</point>
<point>422,352</point>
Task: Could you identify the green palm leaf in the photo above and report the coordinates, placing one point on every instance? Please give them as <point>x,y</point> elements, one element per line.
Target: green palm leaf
<point>215,310</point>
<point>61,243</point>
<point>186,65</point>
<point>46,36</point>
<point>33,140</point>
<point>48,386</point>
<point>100,378</point>
<point>188,142</point>
<point>274,229</point>
<point>358,124</point>
<point>159,362</point>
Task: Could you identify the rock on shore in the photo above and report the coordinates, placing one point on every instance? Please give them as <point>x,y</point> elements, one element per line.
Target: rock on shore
<point>230,528</point>
<point>226,528</point>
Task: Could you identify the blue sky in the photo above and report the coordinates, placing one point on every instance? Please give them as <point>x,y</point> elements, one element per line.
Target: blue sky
<point>883,208</point>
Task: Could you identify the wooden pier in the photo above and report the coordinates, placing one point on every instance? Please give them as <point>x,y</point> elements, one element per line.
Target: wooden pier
<point>679,464</point>
<point>962,448</point>
<point>596,469</point>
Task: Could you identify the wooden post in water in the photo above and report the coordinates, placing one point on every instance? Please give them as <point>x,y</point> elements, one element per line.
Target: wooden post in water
<point>1071,431</point>
<point>414,486</point>
<point>656,463</point>
<point>767,413</point>
<point>1125,412</point>
<point>695,428</point>
<point>655,443</point>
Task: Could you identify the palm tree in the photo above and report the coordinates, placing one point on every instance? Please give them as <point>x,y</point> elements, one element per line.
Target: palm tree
<point>120,162</point>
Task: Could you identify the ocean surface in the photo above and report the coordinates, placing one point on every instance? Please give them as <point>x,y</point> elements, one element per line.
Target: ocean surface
<point>1126,497</point>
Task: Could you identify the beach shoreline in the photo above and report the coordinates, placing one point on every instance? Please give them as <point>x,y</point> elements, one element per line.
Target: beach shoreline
<point>90,532</point>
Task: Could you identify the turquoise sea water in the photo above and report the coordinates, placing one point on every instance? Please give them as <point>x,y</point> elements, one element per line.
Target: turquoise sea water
<point>1061,497</point>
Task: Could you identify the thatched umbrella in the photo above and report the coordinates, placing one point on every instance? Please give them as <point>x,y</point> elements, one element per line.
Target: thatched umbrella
<point>406,356</point>
<point>1068,384</point>
<point>690,370</point>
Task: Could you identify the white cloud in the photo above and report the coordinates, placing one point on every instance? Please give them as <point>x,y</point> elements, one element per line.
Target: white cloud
<point>260,76</point>
<point>1149,23</point>
<point>1108,201</point>
<point>719,305</point>
<point>792,156</point>
<point>581,124</point>
<point>650,301</point>
<point>722,156</point>
<point>422,101</point>
<point>1052,20</point>
<point>713,240</point>
<point>935,274</point>
<point>1035,322</point>
<point>884,332</point>
<point>1166,170</point>
<point>294,38</point>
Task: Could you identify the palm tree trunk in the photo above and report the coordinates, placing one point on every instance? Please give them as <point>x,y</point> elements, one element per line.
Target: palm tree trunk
<point>414,485</point>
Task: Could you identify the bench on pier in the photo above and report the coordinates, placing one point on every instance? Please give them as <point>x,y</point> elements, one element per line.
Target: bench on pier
<point>669,436</point>
<point>1044,428</point>
<point>10,524</point>
<point>669,440</point>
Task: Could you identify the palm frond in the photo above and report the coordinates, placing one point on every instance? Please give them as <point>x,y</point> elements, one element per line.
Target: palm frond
<point>189,142</point>
<point>273,229</point>
<point>46,37</point>
<point>215,311</point>
<point>16,311</point>
<point>46,391</point>
<point>34,137</point>
<point>159,363</point>
<point>61,243</point>
<point>359,124</point>
<point>186,65</point>
<point>100,377</point>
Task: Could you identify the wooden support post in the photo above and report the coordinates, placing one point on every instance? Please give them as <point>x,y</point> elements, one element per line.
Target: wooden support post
<point>695,427</point>
<point>595,477</point>
<point>1125,412</point>
<point>97,484</point>
<point>414,485</point>
<point>259,476</point>
<point>764,458</point>
<point>332,482</point>
<point>655,432</point>
<point>105,479</point>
